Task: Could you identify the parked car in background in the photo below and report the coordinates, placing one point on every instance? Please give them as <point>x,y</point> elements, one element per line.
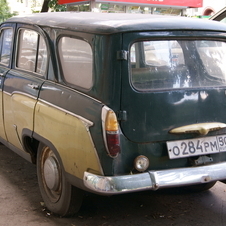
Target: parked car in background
<point>114,103</point>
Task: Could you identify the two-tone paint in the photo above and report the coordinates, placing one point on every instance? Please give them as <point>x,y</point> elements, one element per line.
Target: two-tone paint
<point>67,118</point>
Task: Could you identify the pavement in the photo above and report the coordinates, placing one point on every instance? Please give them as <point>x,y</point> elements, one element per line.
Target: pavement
<point>21,203</point>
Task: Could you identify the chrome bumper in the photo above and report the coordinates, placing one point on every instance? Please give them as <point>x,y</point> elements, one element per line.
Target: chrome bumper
<point>154,180</point>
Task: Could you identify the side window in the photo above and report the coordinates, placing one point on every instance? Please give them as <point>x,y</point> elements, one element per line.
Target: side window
<point>31,52</point>
<point>6,45</point>
<point>76,60</point>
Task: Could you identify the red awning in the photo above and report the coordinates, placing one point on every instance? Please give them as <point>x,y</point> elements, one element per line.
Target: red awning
<point>61,2</point>
<point>176,3</point>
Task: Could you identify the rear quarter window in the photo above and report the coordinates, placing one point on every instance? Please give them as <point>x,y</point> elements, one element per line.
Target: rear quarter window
<point>76,60</point>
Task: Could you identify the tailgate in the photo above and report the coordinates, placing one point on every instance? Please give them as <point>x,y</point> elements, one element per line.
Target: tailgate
<point>172,83</point>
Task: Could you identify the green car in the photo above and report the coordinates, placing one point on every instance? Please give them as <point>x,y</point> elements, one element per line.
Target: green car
<point>114,103</point>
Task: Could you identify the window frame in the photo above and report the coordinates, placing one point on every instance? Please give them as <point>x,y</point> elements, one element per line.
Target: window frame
<point>11,44</point>
<point>176,38</point>
<point>63,79</point>
<point>41,75</point>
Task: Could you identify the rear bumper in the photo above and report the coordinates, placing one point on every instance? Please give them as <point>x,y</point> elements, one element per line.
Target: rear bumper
<point>154,180</point>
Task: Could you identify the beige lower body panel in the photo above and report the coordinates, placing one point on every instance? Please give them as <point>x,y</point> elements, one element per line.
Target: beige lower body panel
<point>70,136</point>
<point>18,114</point>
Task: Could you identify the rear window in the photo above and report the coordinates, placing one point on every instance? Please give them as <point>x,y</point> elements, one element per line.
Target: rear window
<point>173,64</point>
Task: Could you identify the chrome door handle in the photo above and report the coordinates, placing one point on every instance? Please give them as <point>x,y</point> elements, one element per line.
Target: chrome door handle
<point>33,86</point>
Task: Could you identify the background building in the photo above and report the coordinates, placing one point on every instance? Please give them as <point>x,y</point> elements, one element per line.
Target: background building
<point>172,7</point>
<point>25,6</point>
<point>190,8</point>
<point>209,7</point>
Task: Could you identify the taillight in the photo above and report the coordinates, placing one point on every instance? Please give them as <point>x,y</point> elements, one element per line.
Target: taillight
<point>111,132</point>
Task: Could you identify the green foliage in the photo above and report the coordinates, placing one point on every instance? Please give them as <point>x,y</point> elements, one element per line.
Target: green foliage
<point>5,11</point>
<point>35,5</point>
<point>55,7</point>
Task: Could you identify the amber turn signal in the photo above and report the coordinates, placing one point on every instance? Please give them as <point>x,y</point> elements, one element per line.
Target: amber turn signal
<point>112,134</point>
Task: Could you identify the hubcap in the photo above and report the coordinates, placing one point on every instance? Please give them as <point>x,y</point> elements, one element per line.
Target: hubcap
<point>51,173</point>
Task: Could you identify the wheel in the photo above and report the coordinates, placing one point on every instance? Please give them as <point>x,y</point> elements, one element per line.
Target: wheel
<point>59,196</point>
<point>200,187</point>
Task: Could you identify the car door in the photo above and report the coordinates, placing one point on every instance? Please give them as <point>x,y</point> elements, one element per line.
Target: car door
<point>6,41</point>
<point>23,82</point>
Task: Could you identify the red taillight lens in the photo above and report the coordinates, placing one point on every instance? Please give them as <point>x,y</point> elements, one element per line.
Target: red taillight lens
<point>112,133</point>
<point>113,143</point>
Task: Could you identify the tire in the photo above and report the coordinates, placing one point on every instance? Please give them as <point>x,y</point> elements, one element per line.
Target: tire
<point>200,187</point>
<point>59,196</point>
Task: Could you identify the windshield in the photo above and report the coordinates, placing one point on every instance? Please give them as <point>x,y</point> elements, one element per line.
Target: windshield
<point>174,64</point>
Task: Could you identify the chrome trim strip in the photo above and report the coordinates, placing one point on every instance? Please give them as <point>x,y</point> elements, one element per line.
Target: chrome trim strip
<point>200,128</point>
<point>154,180</point>
<point>104,112</point>
<point>70,88</point>
<point>21,93</point>
<point>7,93</point>
<point>87,122</point>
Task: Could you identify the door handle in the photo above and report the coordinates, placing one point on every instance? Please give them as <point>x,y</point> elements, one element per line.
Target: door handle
<point>33,86</point>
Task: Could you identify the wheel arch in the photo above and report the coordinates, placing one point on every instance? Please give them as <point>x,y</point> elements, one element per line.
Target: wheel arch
<point>31,141</point>
<point>30,144</point>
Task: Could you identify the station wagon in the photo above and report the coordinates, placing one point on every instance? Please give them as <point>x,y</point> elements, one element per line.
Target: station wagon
<point>114,103</point>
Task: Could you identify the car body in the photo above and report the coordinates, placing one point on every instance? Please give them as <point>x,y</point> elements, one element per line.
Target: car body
<point>114,103</point>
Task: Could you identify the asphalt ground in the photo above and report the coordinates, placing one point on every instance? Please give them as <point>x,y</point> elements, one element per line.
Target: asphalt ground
<point>21,203</point>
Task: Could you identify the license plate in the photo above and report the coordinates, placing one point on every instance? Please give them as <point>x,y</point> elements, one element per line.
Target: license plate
<point>198,146</point>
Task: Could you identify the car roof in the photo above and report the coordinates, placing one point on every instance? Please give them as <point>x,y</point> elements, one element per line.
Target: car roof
<point>106,23</point>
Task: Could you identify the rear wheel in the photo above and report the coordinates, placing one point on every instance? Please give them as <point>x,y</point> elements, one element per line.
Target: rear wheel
<point>59,196</point>
<point>200,187</point>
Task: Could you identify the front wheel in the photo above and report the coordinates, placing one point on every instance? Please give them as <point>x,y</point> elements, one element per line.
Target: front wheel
<point>59,196</point>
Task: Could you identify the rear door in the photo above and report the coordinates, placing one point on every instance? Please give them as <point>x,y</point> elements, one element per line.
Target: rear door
<point>170,82</point>
<point>23,82</point>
